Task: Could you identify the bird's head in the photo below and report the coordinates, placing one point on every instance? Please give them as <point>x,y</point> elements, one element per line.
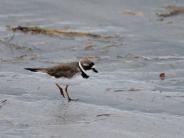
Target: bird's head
<point>86,64</point>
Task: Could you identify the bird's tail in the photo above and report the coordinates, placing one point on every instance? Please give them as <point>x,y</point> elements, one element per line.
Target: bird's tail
<point>35,69</point>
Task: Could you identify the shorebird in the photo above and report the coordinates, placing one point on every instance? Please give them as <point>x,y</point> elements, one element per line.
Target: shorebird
<point>68,70</point>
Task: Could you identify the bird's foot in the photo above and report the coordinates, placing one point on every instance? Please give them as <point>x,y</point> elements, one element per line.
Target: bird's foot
<point>70,99</point>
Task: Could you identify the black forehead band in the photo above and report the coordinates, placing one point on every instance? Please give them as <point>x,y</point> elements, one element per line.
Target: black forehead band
<point>91,64</point>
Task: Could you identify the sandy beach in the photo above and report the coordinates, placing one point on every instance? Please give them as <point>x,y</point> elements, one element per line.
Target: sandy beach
<point>126,99</point>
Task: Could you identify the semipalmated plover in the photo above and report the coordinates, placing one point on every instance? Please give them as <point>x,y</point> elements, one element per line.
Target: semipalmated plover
<point>68,70</point>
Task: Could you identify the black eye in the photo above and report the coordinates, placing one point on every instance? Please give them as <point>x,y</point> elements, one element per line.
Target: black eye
<point>91,64</point>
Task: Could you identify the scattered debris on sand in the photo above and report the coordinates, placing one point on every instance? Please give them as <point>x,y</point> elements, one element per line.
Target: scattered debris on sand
<point>93,58</point>
<point>176,96</point>
<point>168,75</point>
<point>26,57</point>
<point>131,89</point>
<point>133,13</point>
<point>123,90</point>
<point>55,32</point>
<point>110,46</point>
<point>171,10</point>
<point>131,56</point>
<point>19,58</point>
<point>103,115</point>
<point>2,103</point>
<point>7,42</point>
<point>162,76</point>
<point>88,46</point>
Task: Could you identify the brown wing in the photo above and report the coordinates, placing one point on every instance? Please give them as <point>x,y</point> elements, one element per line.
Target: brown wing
<point>63,70</point>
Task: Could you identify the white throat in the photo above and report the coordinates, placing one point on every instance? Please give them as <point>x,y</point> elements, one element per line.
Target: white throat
<point>80,66</point>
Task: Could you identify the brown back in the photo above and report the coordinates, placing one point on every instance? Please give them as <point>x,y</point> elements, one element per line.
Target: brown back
<point>67,70</point>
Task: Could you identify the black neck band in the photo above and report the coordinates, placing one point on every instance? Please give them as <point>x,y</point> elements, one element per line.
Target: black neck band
<point>83,74</point>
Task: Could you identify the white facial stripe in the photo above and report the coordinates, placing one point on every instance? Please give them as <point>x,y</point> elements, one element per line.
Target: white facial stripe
<point>93,67</point>
<point>85,64</point>
<point>80,66</point>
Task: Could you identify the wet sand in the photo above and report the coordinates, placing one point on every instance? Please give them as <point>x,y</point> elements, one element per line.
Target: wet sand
<point>125,99</point>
